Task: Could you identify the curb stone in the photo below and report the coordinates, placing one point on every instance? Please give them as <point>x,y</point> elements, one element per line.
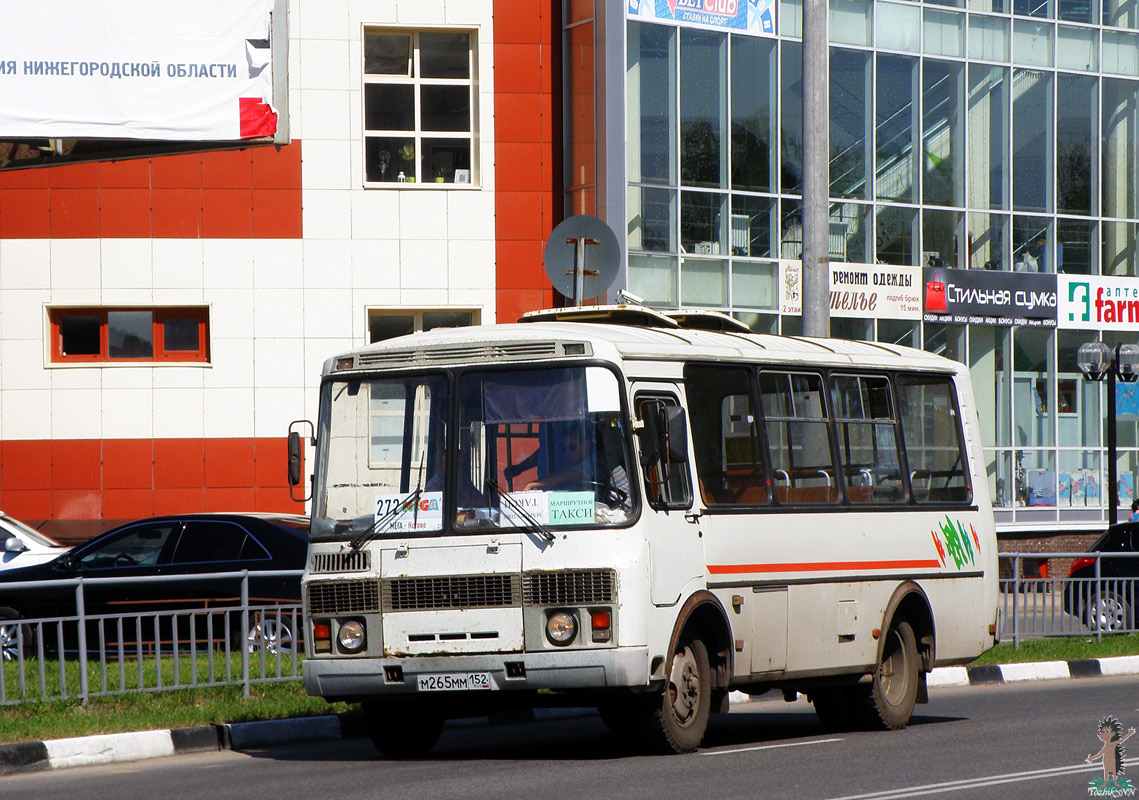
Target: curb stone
<point>117,747</point>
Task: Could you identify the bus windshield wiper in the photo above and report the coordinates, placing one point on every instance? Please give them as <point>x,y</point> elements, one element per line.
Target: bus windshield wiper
<point>385,522</point>
<point>531,524</point>
<point>392,515</point>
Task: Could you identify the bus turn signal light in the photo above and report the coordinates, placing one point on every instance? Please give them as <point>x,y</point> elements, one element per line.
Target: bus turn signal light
<point>602,623</point>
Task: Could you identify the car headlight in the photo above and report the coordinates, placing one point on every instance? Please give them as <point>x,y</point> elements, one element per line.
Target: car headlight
<point>561,628</point>
<point>350,637</point>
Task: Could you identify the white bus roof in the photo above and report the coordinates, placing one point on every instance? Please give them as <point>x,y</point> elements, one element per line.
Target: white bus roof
<point>626,339</point>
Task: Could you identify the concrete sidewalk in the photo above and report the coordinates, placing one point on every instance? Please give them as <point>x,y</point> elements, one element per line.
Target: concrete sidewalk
<point>109,748</point>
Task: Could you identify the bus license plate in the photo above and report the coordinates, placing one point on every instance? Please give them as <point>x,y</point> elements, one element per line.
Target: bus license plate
<point>454,682</point>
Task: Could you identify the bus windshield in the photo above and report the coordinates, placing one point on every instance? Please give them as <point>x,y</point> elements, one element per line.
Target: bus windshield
<point>536,449</point>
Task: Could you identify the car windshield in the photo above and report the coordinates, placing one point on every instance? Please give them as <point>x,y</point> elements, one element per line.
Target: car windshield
<point>30,533</point>
<point>532,449</point>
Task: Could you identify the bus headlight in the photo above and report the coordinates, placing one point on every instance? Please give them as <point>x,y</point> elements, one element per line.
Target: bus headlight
<point>350,637</point>
<point>561,628</point>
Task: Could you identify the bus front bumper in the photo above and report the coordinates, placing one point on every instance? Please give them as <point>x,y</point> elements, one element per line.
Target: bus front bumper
<point>562,670</point>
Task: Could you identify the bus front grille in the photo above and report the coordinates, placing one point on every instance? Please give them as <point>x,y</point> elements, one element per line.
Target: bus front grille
<point>343,597</point>
<point>569,587</point>
<point>455,591</point>
<point>351,561</point>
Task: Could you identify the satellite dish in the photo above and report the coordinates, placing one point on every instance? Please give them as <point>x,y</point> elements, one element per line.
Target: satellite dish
<point>581,257</point>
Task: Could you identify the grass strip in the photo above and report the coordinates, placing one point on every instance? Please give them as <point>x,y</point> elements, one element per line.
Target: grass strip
<point>1061,648</point>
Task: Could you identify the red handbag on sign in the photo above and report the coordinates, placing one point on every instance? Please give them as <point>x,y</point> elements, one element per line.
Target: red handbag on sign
<point>935,293</point>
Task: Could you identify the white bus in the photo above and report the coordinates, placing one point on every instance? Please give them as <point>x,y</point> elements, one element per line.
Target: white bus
<point>641,512</point>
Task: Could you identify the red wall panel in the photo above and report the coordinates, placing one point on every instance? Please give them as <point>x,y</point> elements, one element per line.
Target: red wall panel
<point>77,483</point>
<point>527,151</point>
<point>201,195</point>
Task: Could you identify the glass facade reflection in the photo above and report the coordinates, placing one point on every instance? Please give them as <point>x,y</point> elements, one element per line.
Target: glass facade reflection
<point>963,135</point>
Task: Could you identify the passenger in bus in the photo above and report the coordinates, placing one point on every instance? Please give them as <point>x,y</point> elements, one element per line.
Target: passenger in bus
<point>576,470</point>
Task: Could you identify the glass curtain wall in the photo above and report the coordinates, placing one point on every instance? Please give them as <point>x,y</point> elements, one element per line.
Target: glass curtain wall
<point>975,134</point>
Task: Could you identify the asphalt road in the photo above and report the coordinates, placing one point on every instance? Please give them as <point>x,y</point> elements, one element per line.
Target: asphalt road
<point>974,742</point>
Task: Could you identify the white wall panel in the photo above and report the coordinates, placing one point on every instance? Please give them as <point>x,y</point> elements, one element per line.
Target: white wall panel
<point>274,409</point>
<point>178,414</point>
<point>328,163</point>
<point>278,263</point>
<point>127,413</point>
<point>76,413</point>
<point>327,314</point>
<point>231,364</point>
<point>423,264</point>
<point>178,262</point>
<point>375,264</point>
<point>227,263</point>
<point>22,361</point>
<point>325,63</point>
<point>327,263</point>
<point>25,264</point>
<point>127,263</point>
<point>327,214</point>
<point>277,313</point>
<point>75,264</point>
<point>231,313</point>
<point>278,363</point>
<point>228,413</point>
<point>27,414</point>
<point>325,115</point>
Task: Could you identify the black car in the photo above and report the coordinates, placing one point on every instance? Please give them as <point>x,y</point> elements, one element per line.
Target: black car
<point>182,544</point>
<point>1108,604</point>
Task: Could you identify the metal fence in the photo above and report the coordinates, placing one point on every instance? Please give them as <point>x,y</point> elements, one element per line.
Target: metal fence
<point>230,642</point>
<point>242,643</point>
<point>1036,603</point>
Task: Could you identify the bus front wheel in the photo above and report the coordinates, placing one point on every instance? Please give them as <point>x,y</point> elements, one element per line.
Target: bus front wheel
<point>678,721</point>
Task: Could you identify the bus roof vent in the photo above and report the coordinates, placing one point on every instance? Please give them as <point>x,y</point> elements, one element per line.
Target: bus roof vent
<point>708,321</point>
<point>611,315</point>
<point>472,353</point>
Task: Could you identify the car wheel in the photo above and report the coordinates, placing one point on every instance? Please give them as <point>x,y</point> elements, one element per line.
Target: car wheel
<point>270,634</point>
<point>10,636</point>
<point>1108,613</point>
<point>894,688</point>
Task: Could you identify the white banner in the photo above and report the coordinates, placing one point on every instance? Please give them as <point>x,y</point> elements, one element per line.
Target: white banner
<point>867,291</point>
<point>1092,302</point>
<point>137,69</point>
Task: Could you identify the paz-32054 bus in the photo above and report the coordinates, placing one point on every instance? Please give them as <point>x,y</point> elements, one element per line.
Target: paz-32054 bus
<point>642,512</point>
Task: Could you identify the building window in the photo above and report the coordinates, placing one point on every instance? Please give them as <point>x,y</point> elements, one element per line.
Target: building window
<point>384,324</point>
<point>419,106</point>
<point>129,335</point>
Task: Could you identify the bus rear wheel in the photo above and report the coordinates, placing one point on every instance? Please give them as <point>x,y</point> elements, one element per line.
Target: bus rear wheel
<point>676,723</point>
<point>894,688</point>
<point>399,731</point>
<point>887,702</point>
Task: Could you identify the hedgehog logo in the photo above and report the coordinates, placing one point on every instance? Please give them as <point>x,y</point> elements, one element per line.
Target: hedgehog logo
<point>1110,732</point>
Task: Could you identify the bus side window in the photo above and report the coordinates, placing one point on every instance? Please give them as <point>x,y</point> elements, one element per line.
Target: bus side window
<point>799,437</point>
<point>867,439</point>
<point>729,461</point>
<point>667,485</point>
<point>931,431</point>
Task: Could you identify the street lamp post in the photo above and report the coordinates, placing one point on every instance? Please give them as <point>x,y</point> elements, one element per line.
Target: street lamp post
<point>1097,361</point>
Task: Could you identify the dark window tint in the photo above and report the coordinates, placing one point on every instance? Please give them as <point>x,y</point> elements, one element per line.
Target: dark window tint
<point>79,335</point>
<point>389,107</point>
<point>180,333</point>
<point>387,54</point>
<point>206,541</point>
<point>130,334</point>
<point>666,485</point>
<point>139,546</point>
<point>444,55</point>
<point>725,435</point>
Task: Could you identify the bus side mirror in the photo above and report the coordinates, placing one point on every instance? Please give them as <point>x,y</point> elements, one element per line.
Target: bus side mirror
<point>294,458</point>
<point>675,433</point>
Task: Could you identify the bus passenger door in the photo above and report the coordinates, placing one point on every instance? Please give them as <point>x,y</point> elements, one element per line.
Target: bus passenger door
<point>673,535</point>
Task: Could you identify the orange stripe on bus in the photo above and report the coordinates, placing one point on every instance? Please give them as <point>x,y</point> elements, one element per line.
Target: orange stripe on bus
<point>823,566</point>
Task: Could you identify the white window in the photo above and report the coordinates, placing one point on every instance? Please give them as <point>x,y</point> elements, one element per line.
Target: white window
<point>419,107</point>
<point>384,324</point>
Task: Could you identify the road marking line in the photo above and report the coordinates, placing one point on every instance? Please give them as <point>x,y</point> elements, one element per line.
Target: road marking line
<point>973,783</point>
<point>764,747</point>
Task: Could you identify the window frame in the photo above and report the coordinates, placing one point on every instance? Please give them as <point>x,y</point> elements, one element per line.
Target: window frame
<point>159,316</point>
<point>417,82</point>
<point>417,315</point>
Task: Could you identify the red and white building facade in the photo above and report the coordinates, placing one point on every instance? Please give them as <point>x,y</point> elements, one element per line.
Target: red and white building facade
<point>279,255</point>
